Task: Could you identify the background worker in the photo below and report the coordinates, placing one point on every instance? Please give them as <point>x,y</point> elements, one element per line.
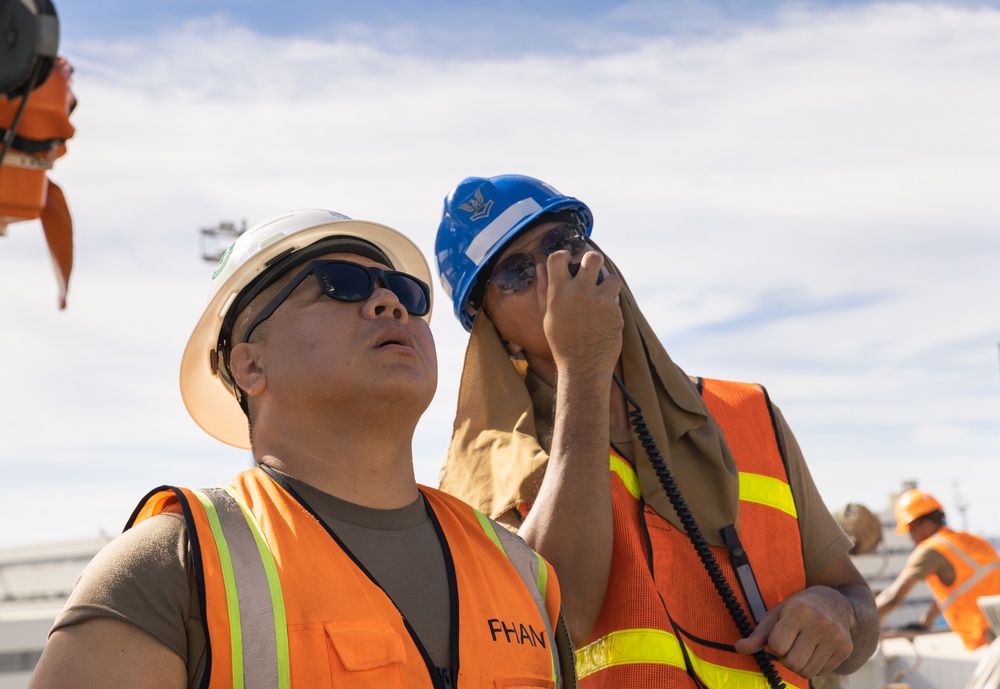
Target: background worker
<point>539,417</point>
<point>326,564</point>
<point>959,568</point>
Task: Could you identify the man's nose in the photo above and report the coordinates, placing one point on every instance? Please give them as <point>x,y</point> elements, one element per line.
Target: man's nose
<point>384,301</point>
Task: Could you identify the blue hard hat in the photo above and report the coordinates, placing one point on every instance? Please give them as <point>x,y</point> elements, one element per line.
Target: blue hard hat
<point>481,215</point>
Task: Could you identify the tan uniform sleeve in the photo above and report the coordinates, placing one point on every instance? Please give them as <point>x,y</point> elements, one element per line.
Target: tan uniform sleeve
<point>823,541</point>
<point>925,561</point>
<point>142,578</point>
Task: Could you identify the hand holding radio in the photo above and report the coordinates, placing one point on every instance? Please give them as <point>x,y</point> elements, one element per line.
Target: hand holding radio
<point>574,268</point>
<point>580,313</point>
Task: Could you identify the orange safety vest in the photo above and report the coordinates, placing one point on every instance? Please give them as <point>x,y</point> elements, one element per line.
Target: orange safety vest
<point>285,605</point>
<point>977,573</point>
<point>663,624</point>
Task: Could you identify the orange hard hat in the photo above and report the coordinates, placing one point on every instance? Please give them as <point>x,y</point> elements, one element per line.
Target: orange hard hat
<point>913,504</point>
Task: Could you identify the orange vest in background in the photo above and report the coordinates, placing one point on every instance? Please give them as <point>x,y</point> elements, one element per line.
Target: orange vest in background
<point>286,606</point>
<point>663,624</point>
<point>977,573</point>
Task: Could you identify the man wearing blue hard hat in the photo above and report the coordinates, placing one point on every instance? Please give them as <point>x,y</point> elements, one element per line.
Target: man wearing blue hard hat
<point>692,546</point>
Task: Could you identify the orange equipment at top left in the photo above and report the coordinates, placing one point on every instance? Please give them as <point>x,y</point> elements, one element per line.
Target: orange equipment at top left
<point>26,192</point>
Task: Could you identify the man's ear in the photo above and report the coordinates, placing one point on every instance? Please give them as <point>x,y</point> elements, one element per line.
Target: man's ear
<point>245,365</point>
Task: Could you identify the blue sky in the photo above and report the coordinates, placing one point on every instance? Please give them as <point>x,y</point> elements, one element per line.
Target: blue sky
<point>109,19</point>
<point>447,27</point>
<point>801,195</point>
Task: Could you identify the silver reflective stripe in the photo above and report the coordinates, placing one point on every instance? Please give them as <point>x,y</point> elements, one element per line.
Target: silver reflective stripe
<point>494,232</point>
<point>528,566</point>
<point>982,571</point>
<point>253,595</point>
<point>979,572</point>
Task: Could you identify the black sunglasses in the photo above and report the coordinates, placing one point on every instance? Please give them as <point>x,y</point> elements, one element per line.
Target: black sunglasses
<point>346,281</point>
<point>516,272</point>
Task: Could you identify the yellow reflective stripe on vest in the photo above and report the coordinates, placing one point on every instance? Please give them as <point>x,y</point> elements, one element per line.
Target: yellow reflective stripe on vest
<point>543,575</point>
<point>658,647</point>
<point>629,646</point>
<point>488,529</point>
<point>763,490</point>
<point>229,579</point>
<point>541,579</point>
<point>258,626</point>
<point>521,560</point>
<point>274,588</point>
<point>767,491</point>
<point>628,476</point>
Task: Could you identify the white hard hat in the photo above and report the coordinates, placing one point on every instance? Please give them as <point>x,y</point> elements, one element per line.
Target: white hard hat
<point>208,396</point>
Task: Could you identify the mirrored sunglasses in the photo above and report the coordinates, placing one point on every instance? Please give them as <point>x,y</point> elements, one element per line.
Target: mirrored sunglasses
<point>516,272</point>
<point>346,281</point>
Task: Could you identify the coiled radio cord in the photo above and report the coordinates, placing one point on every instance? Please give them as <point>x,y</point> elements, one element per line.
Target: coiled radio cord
<point>764,659</point>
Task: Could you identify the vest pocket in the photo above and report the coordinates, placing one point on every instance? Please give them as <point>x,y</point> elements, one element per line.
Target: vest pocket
<point>365,653</point>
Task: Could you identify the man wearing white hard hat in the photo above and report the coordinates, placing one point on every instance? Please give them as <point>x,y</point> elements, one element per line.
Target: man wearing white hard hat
<point>325,565</point>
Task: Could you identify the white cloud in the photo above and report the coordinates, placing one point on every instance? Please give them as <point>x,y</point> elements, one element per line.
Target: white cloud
<point>806,203</point>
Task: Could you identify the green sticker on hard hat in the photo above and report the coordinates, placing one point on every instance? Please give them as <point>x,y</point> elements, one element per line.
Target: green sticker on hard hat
<point>222,261</point>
